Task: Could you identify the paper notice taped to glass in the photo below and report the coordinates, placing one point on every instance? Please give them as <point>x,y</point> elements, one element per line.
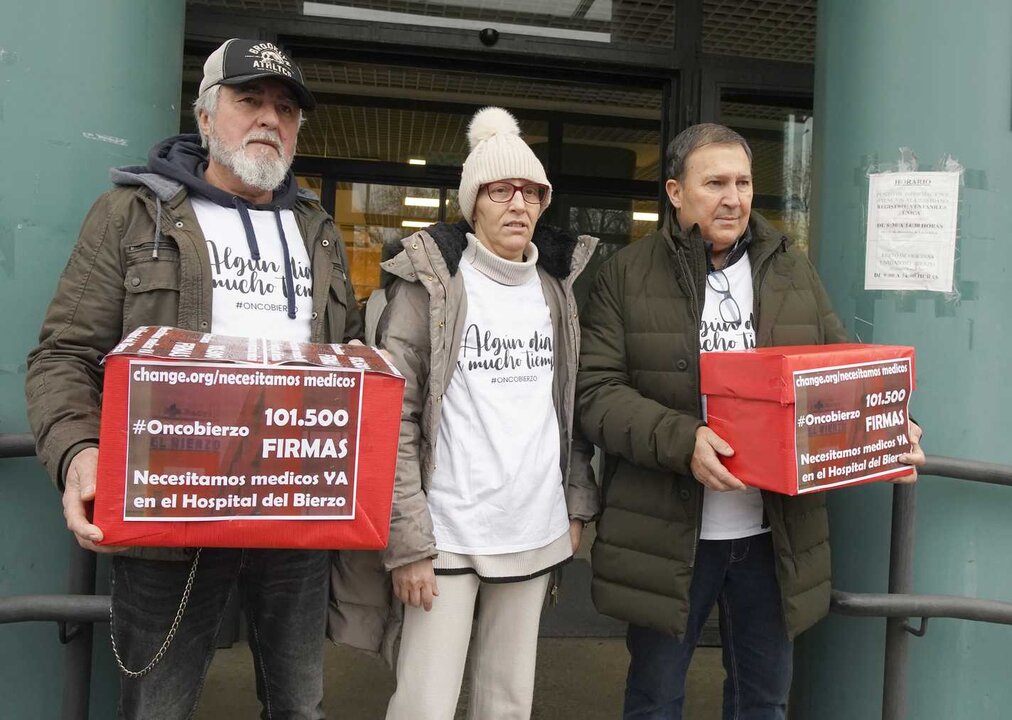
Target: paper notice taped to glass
<point>911,231</point>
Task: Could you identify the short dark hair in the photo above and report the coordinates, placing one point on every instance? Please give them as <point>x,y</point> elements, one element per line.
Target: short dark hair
<point>694,137</point>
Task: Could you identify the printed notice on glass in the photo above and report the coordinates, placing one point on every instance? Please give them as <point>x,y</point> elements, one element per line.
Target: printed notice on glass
<point>911,231</point>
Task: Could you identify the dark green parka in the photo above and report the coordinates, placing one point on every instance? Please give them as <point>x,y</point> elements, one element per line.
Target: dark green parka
<point>638,399</point>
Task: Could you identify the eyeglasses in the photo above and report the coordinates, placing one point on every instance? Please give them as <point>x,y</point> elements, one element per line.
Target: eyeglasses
<point>728,307</point>
<point>503,192</point>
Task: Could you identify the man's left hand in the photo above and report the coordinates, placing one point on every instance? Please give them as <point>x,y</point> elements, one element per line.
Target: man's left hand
<point>913,457</point>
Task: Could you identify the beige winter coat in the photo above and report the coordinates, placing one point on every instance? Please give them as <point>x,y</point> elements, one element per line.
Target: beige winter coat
<point>422,327</point>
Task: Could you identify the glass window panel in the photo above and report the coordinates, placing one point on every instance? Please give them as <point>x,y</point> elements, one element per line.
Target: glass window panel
<point>311,182</point>
<point>401,136</point>
<point>602,22</point>
<point>453,207</point>
<point>629,153</point>
<point>370,215</point>
<point>772,29</point>
<point>385,134</point>
<point>383,124</point>
<point>614,221</point>
<point>477,88</point>
<point>781,142</point>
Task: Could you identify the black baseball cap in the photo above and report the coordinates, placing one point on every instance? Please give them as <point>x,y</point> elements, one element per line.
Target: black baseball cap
<point>239,61</point>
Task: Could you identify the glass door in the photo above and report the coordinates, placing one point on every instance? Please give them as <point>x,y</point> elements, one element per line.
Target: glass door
<point>779,131</point>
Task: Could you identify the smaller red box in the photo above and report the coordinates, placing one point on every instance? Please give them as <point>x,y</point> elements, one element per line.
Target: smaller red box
<point>214,441</point>
<point>810,417</point>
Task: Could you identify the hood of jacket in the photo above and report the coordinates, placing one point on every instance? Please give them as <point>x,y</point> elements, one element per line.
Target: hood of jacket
<point>180,162</point>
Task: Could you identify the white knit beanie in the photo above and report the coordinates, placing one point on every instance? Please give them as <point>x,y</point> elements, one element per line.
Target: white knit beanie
<point>497,153</point>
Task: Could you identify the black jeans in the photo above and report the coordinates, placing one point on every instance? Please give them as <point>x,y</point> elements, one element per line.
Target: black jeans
<point>739,575</point>
<point>284,596</point>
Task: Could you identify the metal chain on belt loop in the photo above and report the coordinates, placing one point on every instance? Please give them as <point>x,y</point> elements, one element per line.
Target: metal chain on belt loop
<point>168,638</point>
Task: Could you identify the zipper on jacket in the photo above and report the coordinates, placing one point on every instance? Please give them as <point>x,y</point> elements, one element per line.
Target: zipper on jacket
<point>764,267</point>
<point>776,561</point>
<point>697,316</point>
<point>435,398</point>
<point>567,426</point>
<point>698,531</point>
<point>554,580</point>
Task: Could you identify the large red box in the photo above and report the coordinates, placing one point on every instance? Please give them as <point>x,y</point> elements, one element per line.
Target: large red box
<point>214,441</point>
<point>810,417</point>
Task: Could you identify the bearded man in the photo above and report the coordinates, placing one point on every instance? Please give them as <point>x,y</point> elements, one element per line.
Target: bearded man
<point>212,235</point>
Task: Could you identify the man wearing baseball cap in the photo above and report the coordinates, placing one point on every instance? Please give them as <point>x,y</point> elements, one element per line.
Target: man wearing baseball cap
<point>214,235</point>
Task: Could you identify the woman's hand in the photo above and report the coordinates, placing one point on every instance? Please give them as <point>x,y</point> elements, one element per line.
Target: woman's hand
<point>914,456</point>
<point>415,583</point>
<point>575,533</point>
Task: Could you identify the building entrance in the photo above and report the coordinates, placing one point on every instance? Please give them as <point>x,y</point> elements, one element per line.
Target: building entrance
<point>385,145</point>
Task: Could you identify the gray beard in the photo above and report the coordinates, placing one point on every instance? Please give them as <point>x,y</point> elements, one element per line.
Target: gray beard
<point>263,173</point>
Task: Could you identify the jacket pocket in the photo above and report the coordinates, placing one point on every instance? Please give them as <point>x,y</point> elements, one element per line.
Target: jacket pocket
<point>141,253</point>
<point>151,286</point>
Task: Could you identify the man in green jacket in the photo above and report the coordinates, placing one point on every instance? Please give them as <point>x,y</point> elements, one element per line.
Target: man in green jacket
<point>679,532</point>
<point>212,235</point>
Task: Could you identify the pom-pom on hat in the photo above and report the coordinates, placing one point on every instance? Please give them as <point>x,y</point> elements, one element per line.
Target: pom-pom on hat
<point>497,153</point>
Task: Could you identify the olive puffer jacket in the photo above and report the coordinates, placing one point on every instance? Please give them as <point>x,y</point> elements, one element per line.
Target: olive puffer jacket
<point>638,399</point>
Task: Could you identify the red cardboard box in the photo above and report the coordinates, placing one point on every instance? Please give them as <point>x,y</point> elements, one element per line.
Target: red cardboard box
<point>810,417</point>
<point>214,441</point>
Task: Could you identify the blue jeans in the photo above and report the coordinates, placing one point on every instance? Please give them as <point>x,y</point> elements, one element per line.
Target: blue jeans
<point>738,575</point>
<point>284,596</point>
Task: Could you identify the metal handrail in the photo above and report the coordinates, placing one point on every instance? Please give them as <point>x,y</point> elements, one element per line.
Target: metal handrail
<point>922,606</point>
<point>14,445</point>
<point>972,470</point>
<point>54,608</point>
<point>900,604</point>
<point>82,608</point>
<point>76,612</point>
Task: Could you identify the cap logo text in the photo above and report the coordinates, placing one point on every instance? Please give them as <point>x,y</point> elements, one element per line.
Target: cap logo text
<point>269,58</point>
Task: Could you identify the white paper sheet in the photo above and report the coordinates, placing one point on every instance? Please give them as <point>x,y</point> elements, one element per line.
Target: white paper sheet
<point>911,231</point>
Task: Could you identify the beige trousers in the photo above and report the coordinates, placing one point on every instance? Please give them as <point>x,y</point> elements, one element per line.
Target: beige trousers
<point>434,647</point>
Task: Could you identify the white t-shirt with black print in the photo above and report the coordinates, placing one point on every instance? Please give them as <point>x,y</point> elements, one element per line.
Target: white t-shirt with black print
<point>728,324</point>
<point>248,296</point>
<point>497,486</point>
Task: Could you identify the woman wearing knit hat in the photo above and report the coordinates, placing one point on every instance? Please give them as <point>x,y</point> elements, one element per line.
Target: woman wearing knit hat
<point>492,489</point>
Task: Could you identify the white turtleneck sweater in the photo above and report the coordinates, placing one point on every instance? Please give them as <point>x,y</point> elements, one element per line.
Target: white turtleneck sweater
<point>497,488</point>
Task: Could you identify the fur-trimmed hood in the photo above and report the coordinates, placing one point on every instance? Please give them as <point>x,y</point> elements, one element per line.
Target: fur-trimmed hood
<point>556,249</point>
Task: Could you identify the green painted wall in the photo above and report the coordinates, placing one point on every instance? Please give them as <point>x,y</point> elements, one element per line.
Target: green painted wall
<point>934,76</point>
<point>84,86</point>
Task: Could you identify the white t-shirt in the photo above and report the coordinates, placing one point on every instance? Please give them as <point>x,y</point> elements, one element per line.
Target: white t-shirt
<point>497,487</point>
<point>248,296</point>
<point>729,295</point>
